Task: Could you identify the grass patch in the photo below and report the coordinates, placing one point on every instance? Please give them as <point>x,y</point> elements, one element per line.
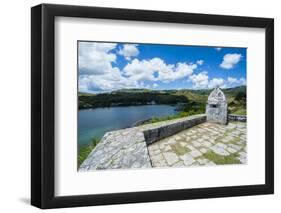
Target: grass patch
<point>84,151</point>
<point>235,140</point>
<point>177,148</point>
<point>237,108</point>
<point>171,117</point>
<point>221,160</point>
<point>240,112</point>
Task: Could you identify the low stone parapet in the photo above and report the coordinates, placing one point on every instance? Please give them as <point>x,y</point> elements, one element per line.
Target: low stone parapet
<point>240,118</point>
<point>127,148</point>
<point>157,132</point>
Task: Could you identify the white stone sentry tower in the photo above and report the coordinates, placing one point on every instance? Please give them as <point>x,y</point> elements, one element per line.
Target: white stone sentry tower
<point>216,108</point>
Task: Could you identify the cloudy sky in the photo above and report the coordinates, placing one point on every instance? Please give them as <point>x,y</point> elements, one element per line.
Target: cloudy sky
<point>105,67</point>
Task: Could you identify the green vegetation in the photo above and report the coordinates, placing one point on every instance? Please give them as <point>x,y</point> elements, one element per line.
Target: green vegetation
<point>236,98</point>
<point>188,101</point>
<point>129,98</point>
<point>239,111</point>
<point>219,159</point>
<point>170,117</point>
<point>237,103</point>
<point>84,151</point>
<point>180,150</point>
<point>166,118</point>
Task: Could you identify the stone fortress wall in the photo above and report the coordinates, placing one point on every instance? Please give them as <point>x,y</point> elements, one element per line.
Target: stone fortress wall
<point>157,132</point>
<point>241,118</point>
<point>128,148</point>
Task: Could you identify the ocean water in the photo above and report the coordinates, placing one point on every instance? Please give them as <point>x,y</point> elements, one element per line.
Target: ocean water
<point>94,123</point>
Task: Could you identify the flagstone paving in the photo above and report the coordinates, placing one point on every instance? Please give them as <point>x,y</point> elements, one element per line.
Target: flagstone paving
<point>202,145</point>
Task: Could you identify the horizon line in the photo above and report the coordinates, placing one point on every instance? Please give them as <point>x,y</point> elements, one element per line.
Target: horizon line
<point>100,92</point>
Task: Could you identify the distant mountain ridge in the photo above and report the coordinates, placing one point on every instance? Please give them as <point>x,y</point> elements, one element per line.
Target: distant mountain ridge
<point>199,91</point>
<point>133,97</point>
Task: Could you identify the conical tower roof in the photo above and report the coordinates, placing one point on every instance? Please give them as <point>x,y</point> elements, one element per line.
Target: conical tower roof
<point>216,96</point>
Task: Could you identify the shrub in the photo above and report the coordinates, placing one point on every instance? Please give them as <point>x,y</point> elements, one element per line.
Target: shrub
<point>85,150</point>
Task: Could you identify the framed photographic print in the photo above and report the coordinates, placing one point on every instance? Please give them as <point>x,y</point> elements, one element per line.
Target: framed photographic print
<point>139,106</point>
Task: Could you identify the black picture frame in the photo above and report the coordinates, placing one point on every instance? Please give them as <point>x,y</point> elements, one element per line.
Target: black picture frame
<point>43,101</point>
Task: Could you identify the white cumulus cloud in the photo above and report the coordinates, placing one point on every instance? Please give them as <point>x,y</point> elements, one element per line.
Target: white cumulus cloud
<point>235,82</point>
<point>200,81</point>
<point>142,70</point>
<point>96,70</point>
<point>229,60</point>
<point>218,48</point>
<point>99,72</point>
<point>179,71</point>
<point>199,62</point>
<point>157,70</point>
<point>106,82</point>
<point>217,82</point>
<point>154,85</point>
<point>96,58</point>
<point>129,51</point>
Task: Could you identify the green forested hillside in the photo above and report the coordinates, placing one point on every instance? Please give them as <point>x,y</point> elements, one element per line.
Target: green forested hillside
<point>192,101</point>
<point>128,99</point>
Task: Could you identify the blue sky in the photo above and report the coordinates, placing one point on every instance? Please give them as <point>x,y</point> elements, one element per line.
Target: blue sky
<point>105,67</point>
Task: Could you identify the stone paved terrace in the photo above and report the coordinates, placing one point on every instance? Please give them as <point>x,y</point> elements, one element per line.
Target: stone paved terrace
<point>127,148</point>
<point>121,149</point>
<point>204,144</point>
<point>186,141</point>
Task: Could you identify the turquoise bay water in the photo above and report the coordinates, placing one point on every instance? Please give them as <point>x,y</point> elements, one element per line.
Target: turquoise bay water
<point>94,123</point>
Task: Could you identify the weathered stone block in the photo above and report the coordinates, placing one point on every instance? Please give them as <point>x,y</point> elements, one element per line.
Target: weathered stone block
<point>170,128</point>
<point>240,118</point>
<point>216,108</point>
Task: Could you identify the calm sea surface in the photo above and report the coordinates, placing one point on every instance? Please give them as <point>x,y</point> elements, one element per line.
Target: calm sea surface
<point>94,123</point>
